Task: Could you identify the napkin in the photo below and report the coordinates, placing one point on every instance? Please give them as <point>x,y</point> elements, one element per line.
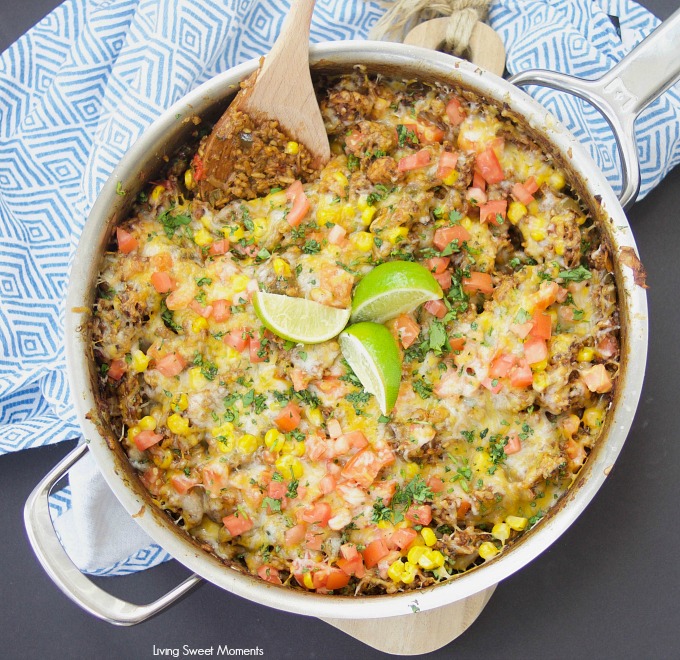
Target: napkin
<point>79,88</point>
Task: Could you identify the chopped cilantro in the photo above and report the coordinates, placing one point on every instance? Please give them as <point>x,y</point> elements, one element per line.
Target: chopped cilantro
<point>169,319</point>
<point>421,388</point>
<point>274,505</point>
<point>172,222</point>
<point>203,281</point>
<point>311,247</point>
<point>575,274</point>
<point>353,163</point>
<point>406,136</point>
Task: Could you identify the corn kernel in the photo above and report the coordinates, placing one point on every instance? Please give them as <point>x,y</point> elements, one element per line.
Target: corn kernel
<point>428,536</point>
<point>556,180</point>
<point>290,466</point>
<point>585,354</point>
<point>233,232</point>
<point>385,524</point>
<point>326,214</point>
<point>362,240</point>
<point>274,440</point>
<point>281,267</point>
<point>362,203</point>
<point>225,443</point>
<point>431,559</point>
<point>540,381</point>
<point>537,234</point>
<point>203,237</point>
<point>189,179</point>
<point>277,199</point>
<point>259,227</point>
<point>239,283</point>
<point>481,461</point>
<point>533,208</point>
<point>156,194</point>
<point>294,448</point>
<point>248,443</point>
<point>314,416</point>
<point>466,223</point>
<point>226,429</point>
<point>487,550</point>
<point>581,219</point>
<point>132,432</point>
<point>180,403</point>
<point>140,362</point>
<point>164,459</point>
<point>197,380</point>
<point>396,570</point>
<point>540,366</point>
<point>409,573</point>
<point>593,417</point>
<point>367,215</point>
<point>411,470</point>
<point>147,423</point>
<point>518,523</point>
<point>308,581</point>
<point>341,178</point>
<point>501,531</point>
<point>292,148</point>
<point>178,424</point>
<point>199,324</point>
<point>451,178</point>
<point>559,248</point>
<point>396,234</point>
<point>416,552</point>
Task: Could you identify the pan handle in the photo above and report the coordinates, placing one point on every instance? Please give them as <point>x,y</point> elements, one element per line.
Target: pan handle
<point>64,572</point>
<point>623,92</point>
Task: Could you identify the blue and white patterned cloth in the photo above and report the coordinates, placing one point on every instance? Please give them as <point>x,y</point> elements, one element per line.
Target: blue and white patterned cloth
<point>79,89</point>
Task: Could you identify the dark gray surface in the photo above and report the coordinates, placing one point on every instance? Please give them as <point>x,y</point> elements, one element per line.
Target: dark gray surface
<point>607,589</point>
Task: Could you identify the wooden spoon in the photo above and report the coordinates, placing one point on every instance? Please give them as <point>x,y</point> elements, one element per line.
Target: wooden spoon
<point>280,90</point>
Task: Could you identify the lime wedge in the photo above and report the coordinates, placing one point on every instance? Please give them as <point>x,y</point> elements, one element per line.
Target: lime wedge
<point>298,319</point>
<point>391,289</point>
<point>372,352</point>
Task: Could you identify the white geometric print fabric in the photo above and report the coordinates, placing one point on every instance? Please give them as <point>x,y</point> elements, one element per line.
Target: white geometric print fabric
<point>79,88</point>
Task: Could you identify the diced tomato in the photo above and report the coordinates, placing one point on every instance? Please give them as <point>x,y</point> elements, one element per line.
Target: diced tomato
<point>237,523</point>
<point>277,489</point>
<point>535,350</point>
<point>171,365</point>
<point>541,325</point>
<point>205,312</point>
<point>420,514</point>
<point>478,181</point>
<point>488,166</point>
<point>530,185</point>
<point>463,508</point>
<point>363,468</point>
<point>444,279</point>
<point>116,369</point>
<point>429,134</point>
<point>162,261</point>
<point>414,161</point>
<point>162,282</point>
<point>219,247</point>
<point>522,330</point>
<point>295,534</point>
<point>456,343</point>
<point>597,379</point>
<point>215,477</point>
<point>437,265</point>
<point>268,573</point>
<point>436,308</point>
<point>289,418</point>
<point>237,339</point>
<point>352,566</point>
<point>608,346</point>
<point>319,513</point>
<point>477,281</point>
<point>374,552</point>
<point>407,329</point>
<point>546,295</point>
<point>198,167</point>
<point>126,241</point>
<point>521,374</point>
<point>335,579</point>
<point>521,194</point>
<point>454,111</point>
<point>341,446</point>
<point>490,211</point>
<point>256,350</point>
<point>327,484</point>
<point>355,439</point>
<point>402,538</point>
<point>476,196</point>
<point>384,490</point>
<point>435,484</point>
<point>333,427</point>
<point>336,236</point>
<point>349,551</point>
<point>145,439</point>
<point>446,235</point>
<point>221,310</point>
<point>501,365</point>
<point>513,445</point>
<point>183,483</point>
<point>493,385</point>
<point>447,163</point>
<point>296,194</point>
<point>314,540</point>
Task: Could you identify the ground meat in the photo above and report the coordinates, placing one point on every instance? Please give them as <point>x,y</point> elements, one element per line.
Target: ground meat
<point>383,170</point>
